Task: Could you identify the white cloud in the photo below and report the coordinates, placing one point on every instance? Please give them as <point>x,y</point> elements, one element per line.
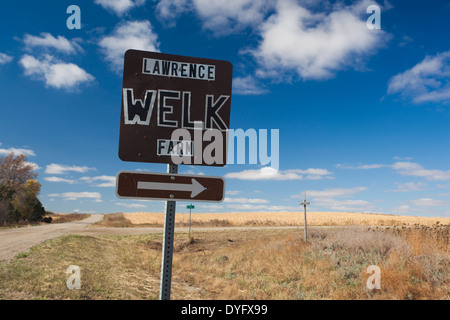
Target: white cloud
<point>213,207</point>
<point>4,58</point>
<point>54,73</point>
<point>224,17</point>
<point>312,42</point>
<point>48,41</point>
<point>313,173</point>
<point>261,207</point>
<point>405,168</point>
<point>247,86</point>
<point>415,169</point>
<point>332,193</point>
<point>129,35</point>
<point>78,195</point>
<point>403,158</point>
<point>409,186</point>
<point>335,199</point>
<point>421,206</point>
<point>17,151</point>
<point>33,165</point>
<point>244,200</point>
<point>232,192</point>
<point>59,179</point>
<point>46,67</point>
<point>168,10</point>
<point>345,205</point>
<point>315,45</point>
<point>261,174</point>
<point>427,81</point>
<point>443,194</point>
<point>119,7</point>
<point>131,205</point>
<point>402,209</point>
<point>428,202</point>
<point>99,181</point>
<point>193,172</point>
<point>268,173</point>
<point>362,166</point>
<point>143,170</point>
<point>62,169</point>
<point>105,181</point>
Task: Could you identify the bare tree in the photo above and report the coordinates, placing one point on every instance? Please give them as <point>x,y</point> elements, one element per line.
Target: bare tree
<point>18,186</point>
<point>15,171</point>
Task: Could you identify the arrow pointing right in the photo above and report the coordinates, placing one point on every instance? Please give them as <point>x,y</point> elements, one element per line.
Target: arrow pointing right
<point>194,187</point>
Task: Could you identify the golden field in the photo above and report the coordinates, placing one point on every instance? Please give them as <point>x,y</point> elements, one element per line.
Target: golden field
<point>231,264</point>
<point>244,263</point>
<point>284,219</point>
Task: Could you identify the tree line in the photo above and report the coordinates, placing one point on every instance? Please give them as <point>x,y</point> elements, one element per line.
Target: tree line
<point>19,191</point>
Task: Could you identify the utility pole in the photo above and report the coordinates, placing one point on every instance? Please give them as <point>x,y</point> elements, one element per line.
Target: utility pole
<point>304,203</point>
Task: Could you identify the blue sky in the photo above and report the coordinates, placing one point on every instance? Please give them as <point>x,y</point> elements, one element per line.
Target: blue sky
<point>363,115</point>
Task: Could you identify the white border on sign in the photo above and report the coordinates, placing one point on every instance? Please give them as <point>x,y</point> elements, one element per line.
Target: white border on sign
<point>170,174</point>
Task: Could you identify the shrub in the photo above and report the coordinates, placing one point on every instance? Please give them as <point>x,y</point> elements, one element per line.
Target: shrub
<point>38,210</point>
<point>47,219</point>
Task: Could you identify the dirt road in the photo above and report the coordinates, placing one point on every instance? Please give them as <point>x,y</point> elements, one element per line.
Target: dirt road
<point>17,240</point>
<point>14,241</point>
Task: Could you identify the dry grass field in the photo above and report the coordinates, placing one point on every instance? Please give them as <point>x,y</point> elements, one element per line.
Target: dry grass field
<point>413,255</point>
<point>272,264</point>
<point>284,219</point>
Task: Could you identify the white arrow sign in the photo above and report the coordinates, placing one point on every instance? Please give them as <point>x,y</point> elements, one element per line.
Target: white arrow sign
<point>195,187</point>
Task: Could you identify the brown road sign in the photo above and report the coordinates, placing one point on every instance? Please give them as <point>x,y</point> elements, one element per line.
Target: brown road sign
<point>166,186</point>
<point>162,93</point>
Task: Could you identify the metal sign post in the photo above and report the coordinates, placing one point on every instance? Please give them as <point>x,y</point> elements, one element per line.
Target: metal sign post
<point>190,207</point>
<point>304,203</point>
<point>167,249</point>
